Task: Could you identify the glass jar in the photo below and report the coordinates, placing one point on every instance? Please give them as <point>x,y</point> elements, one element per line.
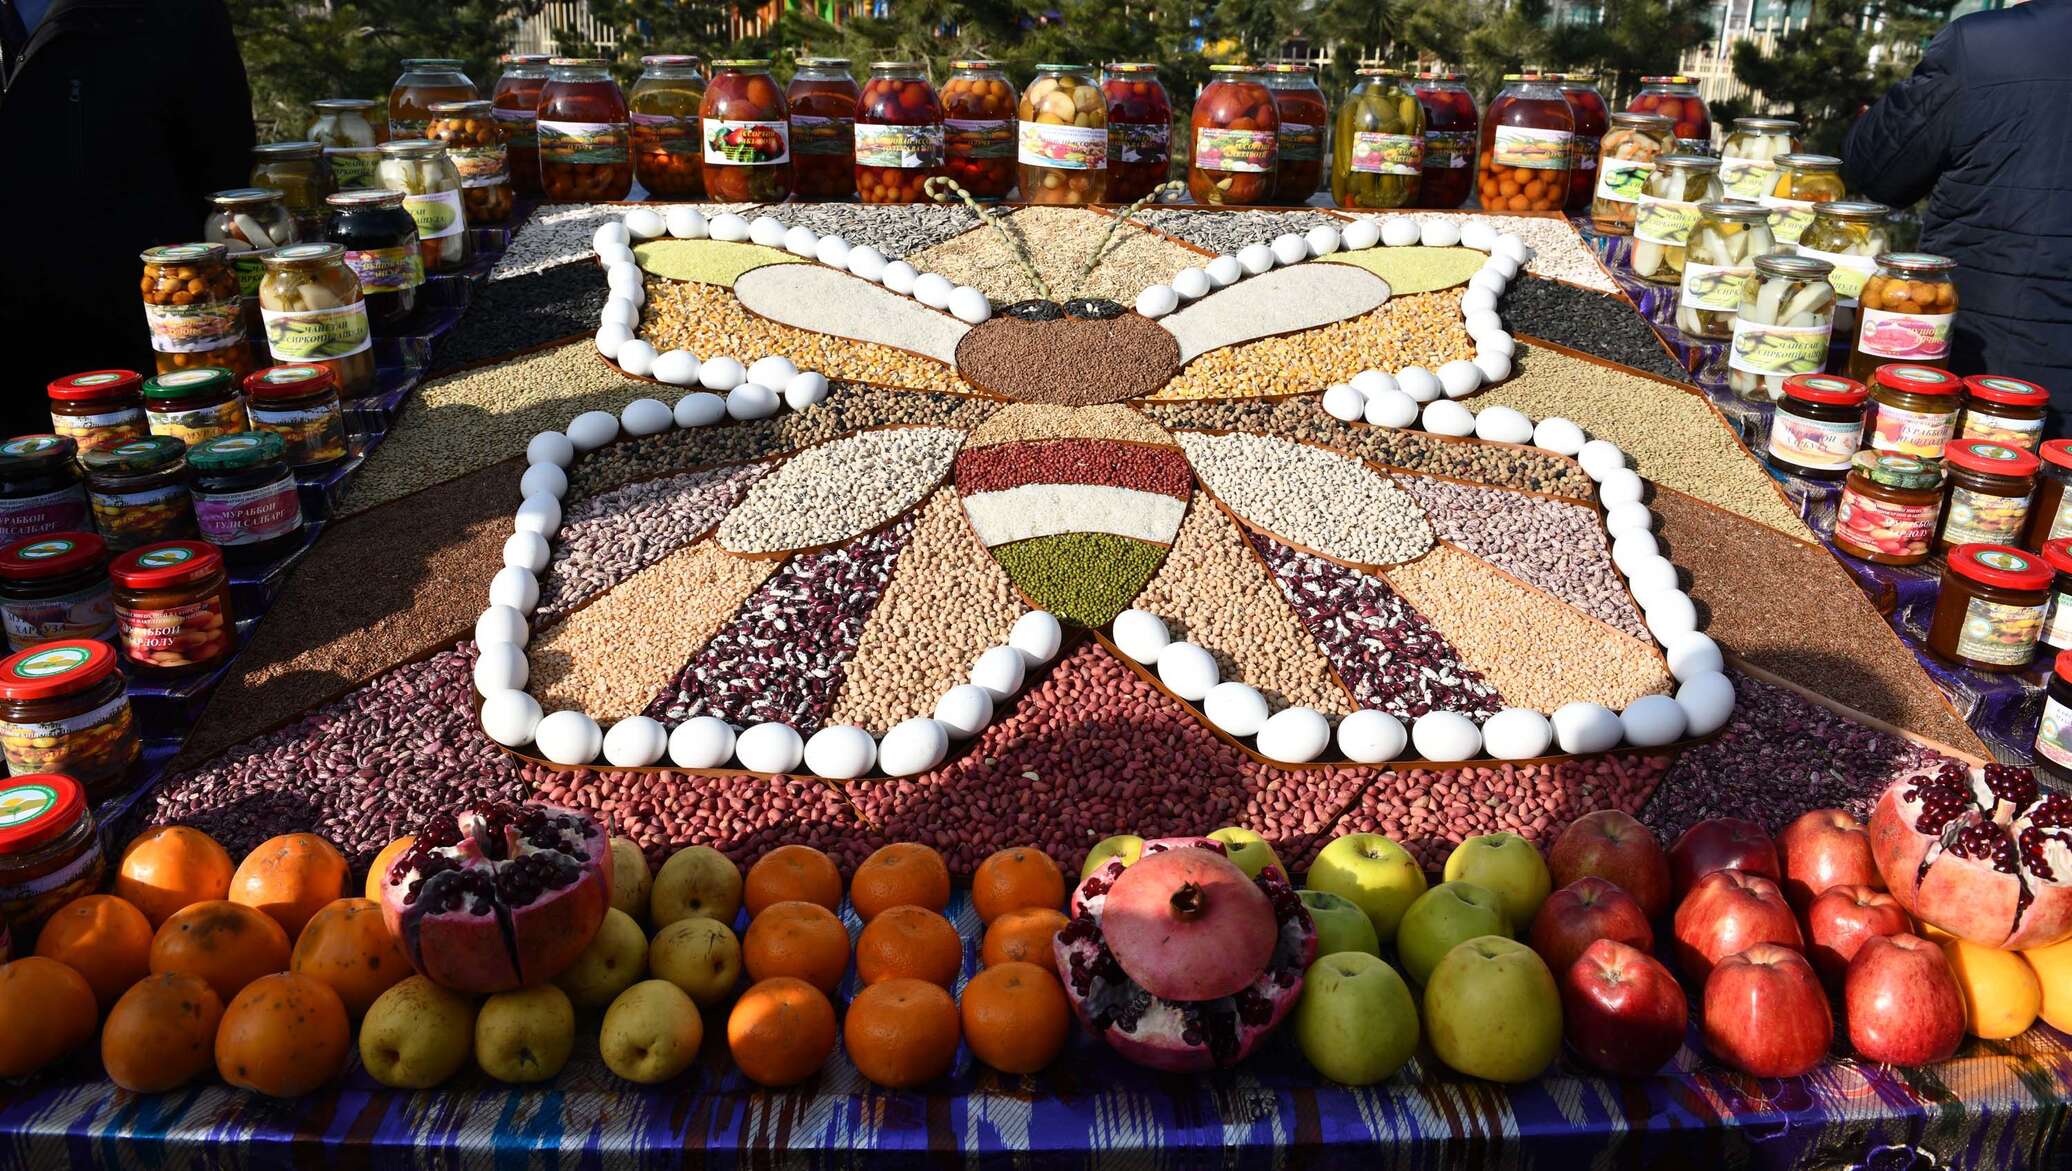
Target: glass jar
<point>138,492</point>
<point>245,499</point>
<point>193,405</point>
<point>64,708</point>
<point>299,171</point>
<point>97,409</point>
<point>50,850</point>
<point>1233,139</point>
<point>342,128</point>
<point>1989,611</point>
<point>40,492</point>
<point>1676,98</point>
<point>1818,426</point>
<point>1666,213</point>
<point>978,107</point>
<point>2004,410</point>
<point>1990,488</point>
<point>430,184</point>
<point>2054,731</point>
<point>1781,327</point>
<point>379,236</point>
<point>1592,122</point>
<point>1304,116</point>
<point>1888,509</point>
<point>300,404</point>
<point>314,314</point>
<point>822,100</point>
<point>899,139</point>
<point>1915,410</point>
<point>1626,160</point>
<point>1802,182</point>
<point>249,219</point>
<point>475,143</point>
<point>2050,518</point>
<point>2057,627</point>
<point>1140,130</point>
<point>1377,153</point>
<point>1525,146</point>
<point>1061,137</point>
<point>193,308</point>
<point>54,588</point>
<point>1451,129</point>
<point>1748,159</point>
<point>425,80</point>
<point>1849,234</point>
<point>516,101</point>
<point>1908,306</point>
<point>662,107</point>
<point>585,132</point>
<point>746,122</point>
<point>172,608</point>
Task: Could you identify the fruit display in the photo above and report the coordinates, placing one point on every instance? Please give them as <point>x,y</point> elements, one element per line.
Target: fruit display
<point>1982,857</point>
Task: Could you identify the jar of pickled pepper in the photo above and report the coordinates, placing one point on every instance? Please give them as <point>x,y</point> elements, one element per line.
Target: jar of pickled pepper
<point>1991,485</point>
<point>1888,509</point>
<point>50,851</point>
<point>1061,137</point>
<point>668,156</point>
<point>822,100</point>
<point>345,129</point>
<point>193,405</point>
<point>425,80</point>
<point>1677,98</point>
<point>1377,152</point>
<point>55,587</point>
<point>39,487</point>
<point>1525,146</point>
<point>1234,139</point>
<point>2004,410</point>
<point>1627,155</point>
<point>475,142</point>
<point>1907,309</point>
<point>97,409</point>
<point>1989,611</point>
<point>978,128</point>
<point>747,127</point>
<point>1592,120</point>
<point>172,608</point>
<point>194,308</point>
<point>300,172</point>
<point>899,134</point>
<point>1140,130</point>
<point>1802,182</point>
<point>1298,102</point>
<point>585,135</point>
<point>1451,132</point>
<point>430,184</point>
<point>138,492</point>
<point>64,708</point>
<point>516,101</point>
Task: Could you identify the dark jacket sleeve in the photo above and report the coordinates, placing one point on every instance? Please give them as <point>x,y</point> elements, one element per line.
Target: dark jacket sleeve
<point>1895,151</point>
<point>212,118</point>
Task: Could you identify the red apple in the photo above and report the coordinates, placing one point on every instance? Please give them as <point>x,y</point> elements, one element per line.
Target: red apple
<point>1582,912</point>
<point>1622,1010</point>
<point>1903,1003</point>
<point>1822,849</point>
<point>1765,1013</point>
<point>1612,845</point>
<point>1842,919</point>
<point>1727,912</point>
<point>1721,843</point>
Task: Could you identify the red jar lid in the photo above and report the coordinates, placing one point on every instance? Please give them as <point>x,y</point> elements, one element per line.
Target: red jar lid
<point>51,555</point>
<point>2063,667</point>
<point>1998,565</point>
<point>289,381</point>
<point>56,668</point>
<point>95,385</point>
<point>1999,388</point>
<point>1905,376</point>
<point>1994,459</point>
<point>36,808</point>
<point>2059,554</point>
<point>166,564</point>
<point>2057,452</point>
<point>1826,388</point>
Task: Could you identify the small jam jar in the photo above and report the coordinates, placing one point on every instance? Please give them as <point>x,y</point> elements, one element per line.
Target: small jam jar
<point>1916,410</point>
<point>50,849</point>
<point>172,608</point>
<point>1888,510</point>
<point>100,408</point>
<point>245,499</point>
<point>299,404</point>
<point>138,492</point>
<point>2054,734</point>
<point>1999,408</point>
<point>194,405</point>
<point>2050,516</point>
<point>1818,425</point>
<point>2057,624</point>
<point>55,588</point>
<point>1989,612</point>
<point>64,708</point>
<point>1990,488</point>
<point>39,487</point>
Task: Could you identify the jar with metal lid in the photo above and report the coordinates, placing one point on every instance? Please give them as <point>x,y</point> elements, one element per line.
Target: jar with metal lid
<point>821,105</point>
<point>1818,425</point>
<point>1748,159</point>
<point>50,849</point>
<point>746,124</point>
<point>193,308</point>
<point>662,109</point>
<point>40,492</point>
<point>1377,150</point>
<point>299,171</point>
<point>899,134</point>
<point>344,129</point>
<point>425,80</point>
<point>2004,410</point>
<point>138,492</point>
<point>430,184</point>
<point>64,708</point>
<point>251,222</point>
<point>1140,130</point>
<point>2054,731</point>
<point>978,108</point>
<point>1452,128</point>
<point>1989,611</point>
<point>1061,136</point>
<point>55,587</point>
<point>172,608</point>
<point>245,499</point>
<point>1802,182</point>
<point>1889,507</point>
<point>1676,97</point>
<point>2050,517</point>
<point>1304,116</point>
<point>2057,620</point>
<point>474,140</point>
<point>1781,327</point>
<point>314,314</point>
<point>380,240</point>
<point>516,100</point>
<point>1625,162</point>
<point>1719,258</point>
<point>1849,234</point>
<point>1233,139</point>
<point>1991,485</point>
<point>1914,410</point>
<point>1666,212</point>
<point>300,404</point>
<point>1909,304</point>
<point>99,408</point>
<point>193,405</point>
<point>1525,146</point>
<point>1593,120</point>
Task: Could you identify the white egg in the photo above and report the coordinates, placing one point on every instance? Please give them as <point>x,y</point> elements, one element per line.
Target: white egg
<point>1294,735</point>
<point>527,551</point>
<point>510,717</point>
<point>913,746</point>
<point>568,738</point>
<point>1191,283</point>
<point>1439,233</point>
<point>1630,517</point>
<point>1419,383</point>
<point>516,588</point>
<point>1650,576</point>
<point>500,666</point>
<point>592,430</point>
<point>752,400</point>
<point>1600,458</point>
<point>933,290</point>
<point>645,416</point>
<point>1707,701</point>
<point>728,227</point>
<point>964,710</point>
<point>841,752</point>
<point>899,276</point>
<point>1447,417</point>
<point>1501,265</point>
<point>1671,613</point>
<point>1621,486</point>
<point>1496,343</point>
<point>808,388</point>
<point>1517,733</point>
<point>1459,378</point>
<point>1289,248</point>
<point>538,514</point>
<point>1141,635</point>
<point>1224,271</point>
<point>637,358</point>
<point>1652,721</point>
<point>677,368</point>
<point>1360,234</point>
<point>1481,322</point>
<point>1400,231</point>
<point>1691,655</point>
<point>550,447</point>
<point>621,310</point>
<point>767,231</point>
<point>832,251</point>
<point>1000,671</point>
<point>685,223</point>
<point>701,742</point>
<point>1445,736</point>
<point>1583,727</point>
<point>612,337</point>
<point>1344,403</point>
<point>867,262</point>
<point>700,408</point>
<point>1158,300</point>
<point>1494,368</point>
<point>1488,282</point>
<point>1503,425</point>
<point>1188,671</point>
<point>1369,736</point>
<point>1513,247</point>
<point>1237,708</point>
<point>500,623</point>
<point>1477,233</point>
<point>1477,301</point>
<point>968,305</point>
<point>1255,258</point>
<point>1322,240</point>
<point>769,748</point>
<point>800,240</point>
<point>610,232</point>
<point>611,254</point>
<point>625,278</point>
<point>543,480</point>
<point>645,223</point>
<point>1372,382</point>
<point>1037,634</point>
<point>635,742</point>
<point>721,373</point>
<point>772,371</point>
<point>1391,408</point>
<point>1629,548</point>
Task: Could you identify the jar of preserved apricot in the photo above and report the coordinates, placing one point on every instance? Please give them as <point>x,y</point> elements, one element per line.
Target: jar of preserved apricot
<point>1677,98</point>
<point>1989,611</point>
<point>172,608</point>
<point>516,100</point>
<point>1450,136</point>
<point>585,140</point>
<point>822,99</point>
<point>193,405</point>
<point>668,155</point>
<point>55,587</point>
<point>1525,146</point>
<point>475,142</point>
<point>1592,121</point>
<point>1305,118</point>
<point>425,80</point>
<point>194,308</point>
<point>50,851</point>
<point>1140,130</point>
<point>1906,311</point>
<point>1061,142</point>
<point>1234,139</point>
<point>1802,181</point>
<point>138,492</point>
<point>2004,410</point>
<point>97,409</point>
<point>64,708</point>
<point>899,134</point>
<point>1377,152</point>
<point>747,127</point>
<point>1627,158</point>
<point>978,128</point>
<point>344,129</point>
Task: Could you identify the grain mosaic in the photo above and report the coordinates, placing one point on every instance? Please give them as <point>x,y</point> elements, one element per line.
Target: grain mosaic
<point>1421,330</point>
<point>1060,240</point>
<point>1311,497</point>
<point>834,491</point>
<point>608,538</point>
<point>710,321</point>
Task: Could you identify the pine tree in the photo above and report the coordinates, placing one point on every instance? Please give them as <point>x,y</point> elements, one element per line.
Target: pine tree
<point>1823,74</point>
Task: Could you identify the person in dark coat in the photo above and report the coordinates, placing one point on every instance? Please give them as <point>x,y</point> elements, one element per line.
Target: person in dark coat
<point>117,118</point>
<point>1983,129</point>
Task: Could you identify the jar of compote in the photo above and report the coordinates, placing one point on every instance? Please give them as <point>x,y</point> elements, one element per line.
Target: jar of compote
<point>1748,159</point>
<point>899,137</point>
<point>746,123</point>
<point>1592,121</point>
<point>1802,182</point>
<point>345,129</point>
<point>1233,139</point>
<point>1719,257</point>
<point>430,183</point>
<point>194,308</point>
<point>668,153</point>
<point>1908,306</point>
<point>1305,117</point>
<point>1626,160</point>
<point>1377,152</point>
<point>1850,234</point>
<point>822,101</point>
<point>1061,137</point>
<point>475,142</point>
<point>1525,146</point>
<point>425,80</point>
<point>1677,97</point>
<point>1451,132</point>
<point>1140,130</point>
<point>516,100</point>
<point>584,136</point>
<point>1667,211</point>
<point>978,108</point>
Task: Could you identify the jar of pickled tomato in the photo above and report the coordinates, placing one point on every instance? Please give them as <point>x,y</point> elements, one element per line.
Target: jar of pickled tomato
<point>1304,117</point>
<point>585,140</point>
<point>1626,160</point>
<point>425,80</point>
<point>899,136</point>
<point>1748,159</point>
<point>1061,139</point>
<point>746,124</point>
<point>668,153</point>
<point>516,101</point>
<point>1677,99</point>
<point>1140,130</point>
<point>978,128</point>
<point>1234,139</point>
<point>1377,153</point>
<point>1801,182</point>
<point>1450,135</point>
<point>1907,309</point>
<point>1525,146</point>
<point>347,135</point>
<point>475,142</point>
<point>822,99</point>
<point>1592,120</point>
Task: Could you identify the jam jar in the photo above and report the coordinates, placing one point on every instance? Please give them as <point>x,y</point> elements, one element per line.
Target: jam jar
<point>194,405</point>
<point>2054,733</point>
<point>1991,485</point>
<point>1748,159</point>
<point>899,134</point>
<point>2050,517</point>
<point>1233,139</point>
<point>347,135</point>
<point>1802,182</point>
<point>585,133</point>
<point>747,127</point>
<point>1666,213</point>
<point>314,314</point>
<point>822,99</point>
<point>2002,409</point>
<point>1525,146</point>
<point>1304,116</point>
<point>64,708</point>
<point>39,487</point>
<point>662,106</point>
<point>1592,121</point>
<point>1625,162</point>
<point>172,608</point>
<point>978,107</point>
<point>1916,410</point>
<point>300,172</point>
<point>2057,621</point>
<point>1818,425</point>
<point>475,142</point>
<point>194,308</point>
<point>1849,234</point>
<point>1451,131</point>
<point>1888,509</point>
<point>1377,152</point>
<point>381,249</point>
<point>1140,130</point>
<point>1677,98</point>
<point>245,499</point>
<point>50,850</point>
<point>100,408</point>
<point>55,587</point>
<point>1061,137</point>
<point>1908,305</point>
<point>138,492</point>
<point>1989,611</point>
<point>300,404</point>
<point>425,80</point>
<point>516,101</point>
<point>1781,327</point>
<point>430,185</point>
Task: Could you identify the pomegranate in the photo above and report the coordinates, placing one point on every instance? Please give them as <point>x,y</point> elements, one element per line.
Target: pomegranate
<point>500,896</point>
<point>1181,961</point>
<point>1987,857</point>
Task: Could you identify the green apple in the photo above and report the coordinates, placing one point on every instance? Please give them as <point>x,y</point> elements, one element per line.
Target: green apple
<point>1128,847</point>
<point>1379,876</point>
<point>1356,1021</point>
<point>1492,1011</point>
<point>1251,852</point>
<point>1510,866</point>
<point>1447,914</point>
<point>1341,926</point>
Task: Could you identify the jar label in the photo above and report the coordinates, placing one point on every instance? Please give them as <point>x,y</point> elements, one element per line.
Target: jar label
<point>1896,530</point>
<point>2000,634</point>
<point>1905,337</point>
<point>250,268</point>
<point>1301,142</point>
<point>83,613</point>
<point>1531,148</point>
<point>666,134</point>
<point>195,424</point>
<point>1248,151</point>
<point>438,215</point>
<point>903,147</point>
<point>480,166</point>
<point>746,144</point>
<point>1850,274</point>
<point>1449,150</point>
<point>1820,444</point>
<point>1664,221</point>
<point>352,166</point>
<point>2054,734</point>
<point>314,435</point>
<point>1716,287</point>
<point>194,329</point>
<point>174,636</point>
<point>523,133</point>
<point>387,270</point>
<point>2022,433</point>
<point>1622,180</point>
<point>600,144</point>
<point>251,516</point>
<point>1779,349</point>
<point>1376,153</point>
<point>62,511</point>
<point>1063,148</point>
<point>1746,179</point>
<point>1978,518</point>
<point>317,335</point>
<point>981,138</point>
<point>1789,218</point>
<point>104,429</point>
<point>815,135</point>
<point>92,744</point>
<point>1130,143</point>
<point>1916,433</point>
<point>2057,625</point>
<point>130,519</point>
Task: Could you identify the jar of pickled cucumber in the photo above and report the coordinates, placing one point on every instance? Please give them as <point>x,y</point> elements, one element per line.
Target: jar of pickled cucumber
<point>585,135</point>
<point>1719,258</point>
<point>380,240</point>
<point>1849,234</point>
<point>668,157</point>
<point>299,172</point>
<point>1626,159</point>
<point>516,100</point>
<point>978,108</point>
<point>1451,128</point>
<point>475,142</point>
<point>345,130</point>
<point>899,135</point>
<point>1525,146</point>
<point>1140,130</point>
<point>1233,139</point>
<point>1377,153</point>
<point>1677,98</point>
<point>1908,307</point>
<point>822,100</point>
<point>1782,327</point>
<point>425,80</point>
<point>1667,211</point>
<point>193,308</point>
<point>314,314</point>
<point>1304,117</point>
<point>1061,137</point>
<point>1748,160</point>
<point>1592,122</point>
<point>746,124</point>
<point>430,184</point>
<point>1802,182</point>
